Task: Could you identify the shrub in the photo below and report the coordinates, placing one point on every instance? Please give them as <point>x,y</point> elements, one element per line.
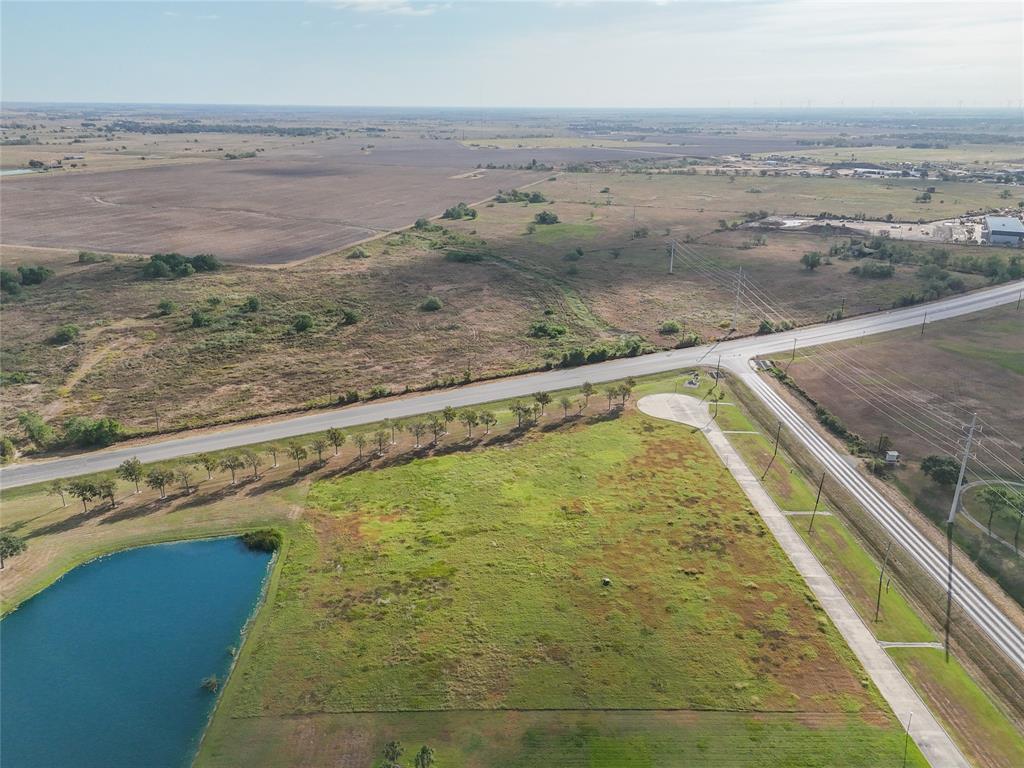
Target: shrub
<point>89,257</point>
<point>669,327</point>
<point>546,217</point>
<point>251,304</point>
<point>687,340</point>
<point>349,317</point>
<point>421,224</point>
<point>37,430</point>
<point>873,269</point>
<point>460,211</point>
<point>7,450</point>
<point>65,334</point>
<point>34,275</point>
<point>542,329</point>
<point>164,265</point>
<point>166,307</point>
<point>200,319</point>
<point>90,433</point>
<point>9,282</point>
<point>431,304</point>
<point>640,232</point>
<point>357,253</point>
<point>303,322</point>
<point>263,540</point>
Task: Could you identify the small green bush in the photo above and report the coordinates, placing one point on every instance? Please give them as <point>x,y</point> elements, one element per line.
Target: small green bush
<point>431,304</point>
<point>65,334</point>
<point>166,307</point>
<point>263,540</point>
<point>303,322</point>
<point>669,328</point>
<point>546,217</point>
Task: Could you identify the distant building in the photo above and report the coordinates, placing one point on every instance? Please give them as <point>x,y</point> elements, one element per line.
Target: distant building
<point>1003,230</point>
<point>892,457</point>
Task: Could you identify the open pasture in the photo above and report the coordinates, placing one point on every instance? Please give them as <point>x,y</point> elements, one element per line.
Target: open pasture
<point>450,590</point>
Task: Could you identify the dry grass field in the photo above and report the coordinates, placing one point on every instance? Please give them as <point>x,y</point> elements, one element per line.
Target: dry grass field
<point>136,363</point>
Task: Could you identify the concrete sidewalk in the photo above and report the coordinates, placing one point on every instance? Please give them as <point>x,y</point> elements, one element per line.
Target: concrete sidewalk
<point>933,741</point>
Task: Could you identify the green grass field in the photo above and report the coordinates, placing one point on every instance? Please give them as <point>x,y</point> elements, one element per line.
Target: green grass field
<point>454,588</point>
<point>853,568</point>
<point>979,727</point>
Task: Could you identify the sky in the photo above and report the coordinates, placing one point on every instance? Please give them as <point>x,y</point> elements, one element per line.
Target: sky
<point>531,53</point>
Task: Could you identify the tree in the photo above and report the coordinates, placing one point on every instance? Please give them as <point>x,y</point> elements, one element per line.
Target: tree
<point>942,469</point>
<point>469,419</point>
<point>542,399</point>
<point>208,462</point>
<point>587,390</point>
<point>232,463</point>
<point>995,500</point>
<point>272,449</point>
<point>83,490</point>
<point>392,426</point>
<point>611,393</point>
<point>381,438</point>
<point>297,453</point>
<point>546,217</point>
<point>488,419</point>
<point>130,470</point>
<point>811,260</point>
<point>158,478</point>
<point>520,411</point>
<point>448,414</point>
<point>360,441</point>
<point>626,390</point>
<point>418,429</point>
<point>184,476</point>
<point>10,545</point>
<point>424,758</point>
<point>393,752</point>
<point>58,488</point>
<point>254,461</point>
<point>106,489</point>
<point>437,425</point>
<point>319,445</point>
<point>566,403</point>
<point>336,438</point>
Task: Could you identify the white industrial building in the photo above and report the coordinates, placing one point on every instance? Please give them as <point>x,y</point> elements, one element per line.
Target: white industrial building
<point>1003,230</point>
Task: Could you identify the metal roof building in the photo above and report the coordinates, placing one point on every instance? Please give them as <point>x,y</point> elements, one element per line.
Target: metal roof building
<point>1004,230</point>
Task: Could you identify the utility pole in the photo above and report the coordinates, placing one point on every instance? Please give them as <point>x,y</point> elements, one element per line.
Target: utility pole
<point>842,309</point>
<point>671,256</point>
<point>1019,297</point>
<point>881,575</point>
<point>949,526</point>
<point>925,320</point>
<point>778,431</point>
<point>736,304</point>
<point>792,357</point>
<point>810,528</point>
<point>906,738</point>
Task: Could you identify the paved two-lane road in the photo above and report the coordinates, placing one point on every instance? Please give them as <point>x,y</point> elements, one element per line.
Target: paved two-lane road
<point>734,352</point>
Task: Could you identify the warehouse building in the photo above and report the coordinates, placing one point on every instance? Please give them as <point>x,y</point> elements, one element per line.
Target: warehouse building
<point>1003,230</point>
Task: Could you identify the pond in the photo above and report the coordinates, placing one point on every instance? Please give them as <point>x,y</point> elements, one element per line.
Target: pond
<point>105,667</point>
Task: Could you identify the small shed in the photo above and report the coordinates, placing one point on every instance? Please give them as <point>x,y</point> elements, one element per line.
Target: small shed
<point>892,457</point>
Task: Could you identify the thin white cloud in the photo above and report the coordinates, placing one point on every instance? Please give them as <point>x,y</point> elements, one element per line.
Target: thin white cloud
<point>392,7</point>
<point>170,13</point>
<point>208,17</point>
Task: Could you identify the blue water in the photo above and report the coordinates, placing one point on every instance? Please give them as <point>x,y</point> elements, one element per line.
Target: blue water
<point>104,667</point>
